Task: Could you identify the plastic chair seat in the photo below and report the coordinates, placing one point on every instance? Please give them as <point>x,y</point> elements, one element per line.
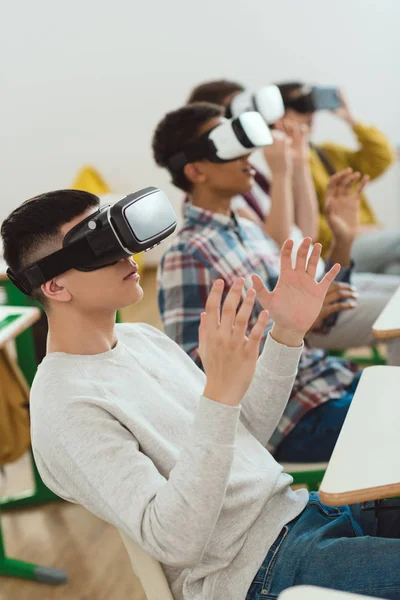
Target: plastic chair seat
<point>148,570</point>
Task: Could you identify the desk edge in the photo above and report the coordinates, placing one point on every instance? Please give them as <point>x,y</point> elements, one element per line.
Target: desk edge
<point>364,495</point>
<point>384,334</point>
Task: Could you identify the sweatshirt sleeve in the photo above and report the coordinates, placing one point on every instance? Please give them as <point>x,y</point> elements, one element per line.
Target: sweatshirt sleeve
<point>95,461</point>
<point>374,154</point>
<point>269,392</point>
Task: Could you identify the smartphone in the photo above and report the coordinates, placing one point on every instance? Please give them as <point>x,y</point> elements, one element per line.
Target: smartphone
<point>325,98</point>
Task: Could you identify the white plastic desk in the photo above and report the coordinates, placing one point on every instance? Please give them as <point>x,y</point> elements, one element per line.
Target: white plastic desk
<point>24,318</point>
<point>308,592</point>
<point>387,324</point>
<point>365,463</point>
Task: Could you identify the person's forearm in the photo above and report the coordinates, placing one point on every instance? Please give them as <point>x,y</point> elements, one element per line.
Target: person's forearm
<point>266,399</point>
<point>205,460</point>
<point>305,200</point>
<point>279,222</point>
<point>341,252</point>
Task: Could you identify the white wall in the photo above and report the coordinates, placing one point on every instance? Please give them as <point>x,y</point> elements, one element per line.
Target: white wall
<point>86,81</point>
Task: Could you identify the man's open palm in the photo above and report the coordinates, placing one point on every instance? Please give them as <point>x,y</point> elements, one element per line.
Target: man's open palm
<point>297,298</point>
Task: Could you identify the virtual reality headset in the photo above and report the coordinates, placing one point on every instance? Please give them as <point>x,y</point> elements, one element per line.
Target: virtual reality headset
<point>267,101</point>
<point>137,223</point>
<point>225,142</point>
<point>311,99</point>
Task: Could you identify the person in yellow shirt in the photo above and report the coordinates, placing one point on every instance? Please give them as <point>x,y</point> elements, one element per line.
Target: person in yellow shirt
<point>375,249</point>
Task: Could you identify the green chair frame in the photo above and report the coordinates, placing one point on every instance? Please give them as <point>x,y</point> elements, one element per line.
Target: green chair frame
<point>311,479</point>
<point>12,567</point>
<point>375,358</point>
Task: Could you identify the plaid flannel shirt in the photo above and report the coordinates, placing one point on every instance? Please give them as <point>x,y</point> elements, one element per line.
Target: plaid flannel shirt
<point>212,246</point>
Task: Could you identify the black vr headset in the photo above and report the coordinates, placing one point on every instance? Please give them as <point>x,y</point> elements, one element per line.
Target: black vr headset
<point>311,99</point>
<point>226,142</point>
<point>137,223</point>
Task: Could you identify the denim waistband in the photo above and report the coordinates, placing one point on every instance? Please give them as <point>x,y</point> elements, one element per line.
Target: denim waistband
<point>272,552</point>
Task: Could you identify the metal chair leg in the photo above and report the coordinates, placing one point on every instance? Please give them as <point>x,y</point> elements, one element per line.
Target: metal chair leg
<point>12,567</point>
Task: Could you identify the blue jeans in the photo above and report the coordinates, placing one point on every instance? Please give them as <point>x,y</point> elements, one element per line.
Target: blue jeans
<point>339,548</point>
<point>315,435</point>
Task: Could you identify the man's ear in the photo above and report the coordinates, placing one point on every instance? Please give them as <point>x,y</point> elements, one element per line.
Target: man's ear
<point>53,290</point>
<point>194,173</point>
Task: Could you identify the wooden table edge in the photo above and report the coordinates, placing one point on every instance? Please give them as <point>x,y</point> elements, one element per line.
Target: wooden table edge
<point>363,495</point>
<point>385,334</point>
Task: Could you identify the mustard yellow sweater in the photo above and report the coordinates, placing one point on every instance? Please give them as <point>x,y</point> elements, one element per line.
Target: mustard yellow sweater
<point>372,158</point>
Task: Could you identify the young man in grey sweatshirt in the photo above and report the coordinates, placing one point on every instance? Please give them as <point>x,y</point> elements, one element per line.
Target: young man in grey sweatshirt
<point>124,423</point>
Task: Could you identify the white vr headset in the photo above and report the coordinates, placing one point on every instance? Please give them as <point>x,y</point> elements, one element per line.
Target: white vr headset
<point>267,101</point>
<point>225,142</point>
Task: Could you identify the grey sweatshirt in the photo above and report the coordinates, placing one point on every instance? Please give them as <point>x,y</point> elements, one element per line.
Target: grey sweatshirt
<point>128,435</point>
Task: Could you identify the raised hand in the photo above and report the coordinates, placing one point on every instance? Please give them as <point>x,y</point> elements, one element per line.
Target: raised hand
<point>340,297</point>
<point>344,112</point>
<point>297,299</point>
<point>342,205</point>
<point>229,357</point>
<point>299,134</point>
<point>279,154</point>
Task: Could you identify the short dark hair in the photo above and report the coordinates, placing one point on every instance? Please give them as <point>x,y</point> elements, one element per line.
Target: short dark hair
<point>32,230</point>
<point>177,130</point>
<point>215,92</point>
<point>287,89</point>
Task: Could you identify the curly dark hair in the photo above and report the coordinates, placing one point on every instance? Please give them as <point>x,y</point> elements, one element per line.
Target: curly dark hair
<point>214,91</point>
<point>32,230</point>
<point>177,130</point>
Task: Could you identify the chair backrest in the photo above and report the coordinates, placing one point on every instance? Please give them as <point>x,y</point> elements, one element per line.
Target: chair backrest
<point>148,570</point>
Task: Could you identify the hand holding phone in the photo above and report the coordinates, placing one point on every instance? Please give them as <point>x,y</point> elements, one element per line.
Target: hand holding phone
<point>344,112</point>
<point>326,98</point>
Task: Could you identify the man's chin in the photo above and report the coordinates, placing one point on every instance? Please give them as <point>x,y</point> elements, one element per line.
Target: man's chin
<point>133,299</point>
<point>247,185</point>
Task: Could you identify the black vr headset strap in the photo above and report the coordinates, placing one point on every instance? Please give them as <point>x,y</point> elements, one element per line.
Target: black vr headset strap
<point>241,134</point>
<point>199,150</point>
<point>50,266</point>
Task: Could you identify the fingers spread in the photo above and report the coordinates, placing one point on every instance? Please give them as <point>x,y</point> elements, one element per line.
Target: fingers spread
<point>202,329</point>
<point>243,316</point>
<point>312,264</point>
<point>286,255</point>
<point>362,184</point>
<point>349,182</point>
<point>329,277</point>
<point>213,304</point>
<point>258,330</point>
<point>258,284</point>
<point>231,304</point>
<point>339,307</point>
<point>302,254</point>
<point>345,182</point>
<point>262,293</point>
<point>338,293</point>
